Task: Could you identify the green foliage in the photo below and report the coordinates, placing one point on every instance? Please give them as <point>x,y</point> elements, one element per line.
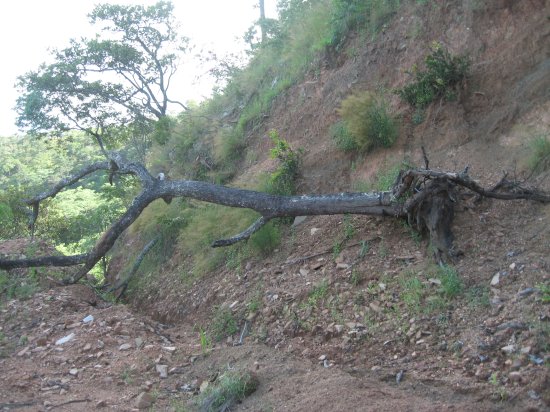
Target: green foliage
<point>17,286</point>
<point>478,296</point>
<point>444,73</point>
<point>282,180</point>
<point>137,47</point>
<point>205,341</point>
<point>265,240</point>
<point>230,388</point>
<point>318,293</point>
<point>367,119</point>
<point>224,324</point>
<point>540,153</point>
<point>342,138</point>
<point>451,284</point>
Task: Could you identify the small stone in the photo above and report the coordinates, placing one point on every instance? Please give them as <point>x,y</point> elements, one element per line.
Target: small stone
<point>508,349</point>
<point>338,329</point>
<point>139,342</point>
<point>88,319</point>
<point>516,364</point>
<point>525,349</point>
<point>322,357</point>
<point>100,344</point>
<point>375,307</point>
<point>233,304</point>
<point>124,346</point>
<point>342,266</point>
<point>299,220</point>
<point>23,352</point>
<point>435,281</point>
<point>515,376</point>
<point>73,372</point>
<point>314,230</point>
<point>101,404</point>
<point>513,266</point>
<point>304,272</point>
<point>162,371</point>
<point>204,386</point>
<point>65,339</point>
<point>382,286</point>
<point>170,349</point>
<point>496,279</point>
<point>144,400</point>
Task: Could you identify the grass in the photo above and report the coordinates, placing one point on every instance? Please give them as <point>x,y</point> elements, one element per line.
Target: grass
<point>318,293</point>
<point>205,342</point>
<point>367,119</point>
<point>231,387</point>
<point>224,324</point>
<point>17,287</point>
<point>539,161</point>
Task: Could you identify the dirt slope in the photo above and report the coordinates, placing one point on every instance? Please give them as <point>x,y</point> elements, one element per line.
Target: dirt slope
<point>487,350</point>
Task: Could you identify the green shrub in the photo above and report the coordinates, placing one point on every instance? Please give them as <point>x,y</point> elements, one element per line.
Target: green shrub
<point>265,240</point>
<point>451,284</point>
<point>368,120</point>
<point>443,74</point>
<point>282,180</point>
<point>230,388</point>
<point>342,138</point>
<point>540,154</point>
<point>224,324</point>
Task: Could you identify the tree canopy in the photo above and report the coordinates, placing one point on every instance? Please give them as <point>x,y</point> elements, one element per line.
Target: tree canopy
<point>120,77</point>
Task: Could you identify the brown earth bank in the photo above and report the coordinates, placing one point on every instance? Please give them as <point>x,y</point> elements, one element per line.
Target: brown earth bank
<point>348,313</point>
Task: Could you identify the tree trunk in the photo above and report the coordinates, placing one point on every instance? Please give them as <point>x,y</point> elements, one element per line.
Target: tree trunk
<point>425,197</point>
<point>262,21</point>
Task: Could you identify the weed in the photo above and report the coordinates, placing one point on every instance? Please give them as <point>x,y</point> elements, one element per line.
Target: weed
<point>265,240</point>
<point>478,296</point>
<point>337,248</point>
<point>451,284</point>
<point>127,375</point>
<point>205,341</point>
<point>224,324</point>
<point>499,392</point>
<point>254,305</point>
<point>412,290</point>
<point>415,235</point>
<point>544,289</point>
<point>444,73</point>
<point>367,119</point>
<point>318,293</point>
<point>282,180</point>
<point>349,229</point>
<point>383,250</point>
<point>231,387</point>
<point>342,137</point>
<point>364,248</point>
<point>540,153</point>
<point>356,277</point>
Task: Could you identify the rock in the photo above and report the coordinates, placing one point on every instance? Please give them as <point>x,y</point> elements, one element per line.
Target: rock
<point>101,404</point>
<point>513,266</point>
<point>99,344</point>
<point>73,372</point>
<point>87,347</point>
<point>435,281</point>
<point>322,357</point>
<point>496,279</point>
<point>124,346</point>
<point>399,376</point>
<point>304,272</point>
<point>342,266</point>
<point>526,292</point>
<point>139,342</point>
<point>516,364</point>
<point>170,349</point>
<point>382,286</point>
<point>338,329</point>
<point>525,349</point>
<point>204,386</point>
<point>375,307</point>
<point>298,220</point>
<point>314,230</point>
<point>144,400</point>
<point>318,265</point>
<point>162,370</point>
<point>65,339</point>
<point>515,376</point>
<point>23,352</point>
<point>508,349</point>
<point>88,319</point>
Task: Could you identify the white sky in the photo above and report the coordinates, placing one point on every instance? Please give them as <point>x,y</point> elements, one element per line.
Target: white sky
<point>28,28</point>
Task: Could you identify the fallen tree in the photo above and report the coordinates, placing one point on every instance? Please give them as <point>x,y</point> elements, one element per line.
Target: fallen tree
<point>425,197</point>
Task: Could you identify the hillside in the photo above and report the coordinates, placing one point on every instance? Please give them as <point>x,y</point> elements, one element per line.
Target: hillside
<point>347,312</point>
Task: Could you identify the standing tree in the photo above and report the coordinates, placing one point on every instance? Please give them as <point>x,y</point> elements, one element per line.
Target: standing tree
<point>120,77</point>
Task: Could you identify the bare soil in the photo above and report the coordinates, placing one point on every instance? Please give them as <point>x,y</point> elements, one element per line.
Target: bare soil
<point>336,331</point>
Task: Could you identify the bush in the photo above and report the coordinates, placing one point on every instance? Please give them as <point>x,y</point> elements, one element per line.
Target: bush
<point>230,388</point>
<point>444,73</point>
<point>282,180</point>
<point>342,138</point>
<point>367,119</point>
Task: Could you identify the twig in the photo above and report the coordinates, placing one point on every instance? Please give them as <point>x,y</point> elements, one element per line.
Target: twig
<point>69,402</point>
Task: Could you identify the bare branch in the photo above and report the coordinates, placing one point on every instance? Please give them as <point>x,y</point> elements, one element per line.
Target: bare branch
<point>245,235</point>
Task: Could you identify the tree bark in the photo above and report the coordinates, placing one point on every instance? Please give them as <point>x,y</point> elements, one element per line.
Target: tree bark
<point>425,197</point>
